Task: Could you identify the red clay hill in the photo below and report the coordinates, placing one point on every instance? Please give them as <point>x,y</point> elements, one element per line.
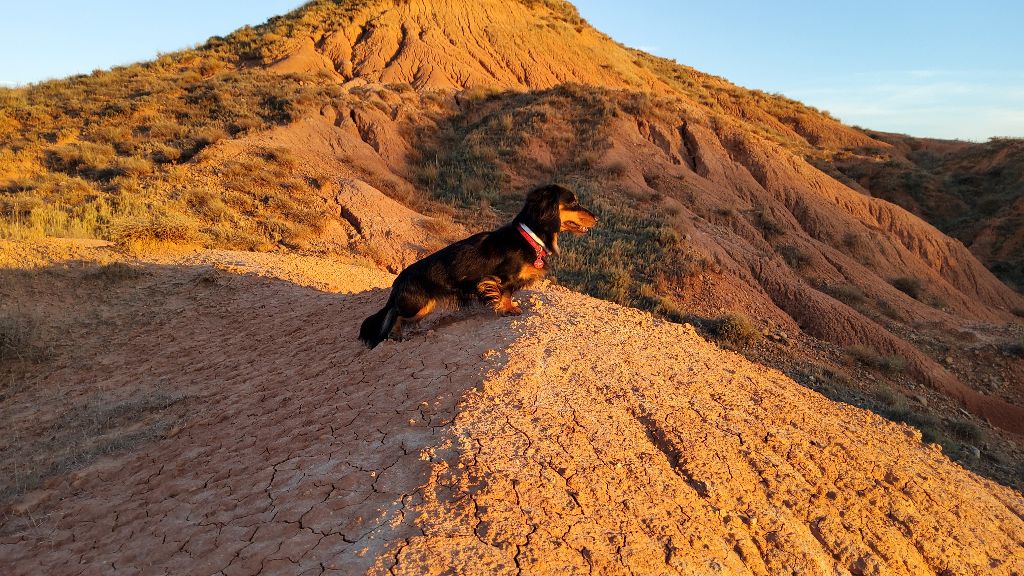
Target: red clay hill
<point>713,201</point>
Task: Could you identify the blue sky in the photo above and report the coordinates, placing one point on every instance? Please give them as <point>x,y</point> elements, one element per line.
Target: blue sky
<point>940,68</point>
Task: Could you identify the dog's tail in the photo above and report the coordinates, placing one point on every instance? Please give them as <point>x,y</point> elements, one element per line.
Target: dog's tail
<point>378,326</point>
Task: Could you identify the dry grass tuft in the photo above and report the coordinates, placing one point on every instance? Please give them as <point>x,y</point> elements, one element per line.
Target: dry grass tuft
<point>871,357</point>
<point>442,225</point>
<point>171,228</point>
<point>21,336</point>
<point>735,330</point>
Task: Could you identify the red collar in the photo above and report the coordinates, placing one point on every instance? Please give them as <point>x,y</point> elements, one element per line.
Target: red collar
<point>537,243</point>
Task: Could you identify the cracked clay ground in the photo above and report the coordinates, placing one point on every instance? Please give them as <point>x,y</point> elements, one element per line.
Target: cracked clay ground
<point>579,438</point>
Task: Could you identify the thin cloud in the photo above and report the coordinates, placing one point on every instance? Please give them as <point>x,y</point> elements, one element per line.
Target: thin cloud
<point>973,105</point>
<point>649,49</point>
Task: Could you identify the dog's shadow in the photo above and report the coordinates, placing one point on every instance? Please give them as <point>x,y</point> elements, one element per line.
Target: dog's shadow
<point>446,318</point>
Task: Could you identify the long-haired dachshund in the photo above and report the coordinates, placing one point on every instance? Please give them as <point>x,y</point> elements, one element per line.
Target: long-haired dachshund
<point>489,265</point>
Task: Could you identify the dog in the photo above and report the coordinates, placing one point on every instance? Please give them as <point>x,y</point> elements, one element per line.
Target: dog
<point>490,266</point>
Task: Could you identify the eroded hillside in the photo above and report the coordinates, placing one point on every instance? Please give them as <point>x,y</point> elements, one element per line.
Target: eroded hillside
<point>973,192</point>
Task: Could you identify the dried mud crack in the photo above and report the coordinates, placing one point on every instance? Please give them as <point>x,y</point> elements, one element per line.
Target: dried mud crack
<point>580,438</point>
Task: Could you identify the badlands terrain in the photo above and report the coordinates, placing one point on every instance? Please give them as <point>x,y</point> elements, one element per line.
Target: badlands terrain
<point>791,345</point>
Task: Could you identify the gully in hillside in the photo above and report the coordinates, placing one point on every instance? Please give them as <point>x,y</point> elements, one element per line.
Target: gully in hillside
<point>489,265</point>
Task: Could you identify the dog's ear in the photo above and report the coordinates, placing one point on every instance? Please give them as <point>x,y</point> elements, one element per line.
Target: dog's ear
<point>541,208</point>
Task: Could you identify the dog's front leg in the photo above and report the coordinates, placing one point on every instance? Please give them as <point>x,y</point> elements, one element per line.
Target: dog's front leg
<point>490,291</point>
<point>499,299</point>
<point>508,306</point>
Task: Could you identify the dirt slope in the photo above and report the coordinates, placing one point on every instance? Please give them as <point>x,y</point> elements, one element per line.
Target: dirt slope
<point>582,436</point>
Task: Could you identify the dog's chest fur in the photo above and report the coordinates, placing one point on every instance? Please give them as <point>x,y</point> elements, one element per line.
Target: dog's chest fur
<point>528,274</point>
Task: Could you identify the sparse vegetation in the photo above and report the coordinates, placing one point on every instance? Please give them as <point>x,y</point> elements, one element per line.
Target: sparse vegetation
<point>442,225</point>
<point>965,431</point>
<point>81,156</point>
<point>849,294</point>
<point>84,433</point>
<point>872,358</point>
<point>735,330</point>
<point>768,224</point>
<point>794,256</point>
<point>910,286</point>
<point>634,257</point>
<point>21,336</point>
<point>157,227</point>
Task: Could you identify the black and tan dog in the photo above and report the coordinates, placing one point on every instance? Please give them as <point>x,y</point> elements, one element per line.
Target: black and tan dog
<point>489,265</point>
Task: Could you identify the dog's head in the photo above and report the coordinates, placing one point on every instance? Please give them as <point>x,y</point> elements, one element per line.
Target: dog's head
<point>552,209</point>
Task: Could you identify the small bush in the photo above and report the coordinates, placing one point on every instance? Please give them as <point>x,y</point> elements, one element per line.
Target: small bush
<point>283,157</point>
<point>84,158</point>
<point>846,293</point>
<point>924,421</point>
<point>209,135</point>
<point>965,431</point>
<point>886,308</point>
<point>770,227</point>
<point>794,256</point>
<point>910,286</point>
<point>208,205</point>
<point>19,206</point>
<point>851,240</point>
<point>617,168</point>
<point>735,330</point>
<point>132,166</point>
<point>164,153</point>
<point>871,357</point>
<point>667,236</point>
<point>885,395</point>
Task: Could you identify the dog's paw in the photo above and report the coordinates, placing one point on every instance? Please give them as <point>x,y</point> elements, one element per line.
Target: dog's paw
<point>513,310</point>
